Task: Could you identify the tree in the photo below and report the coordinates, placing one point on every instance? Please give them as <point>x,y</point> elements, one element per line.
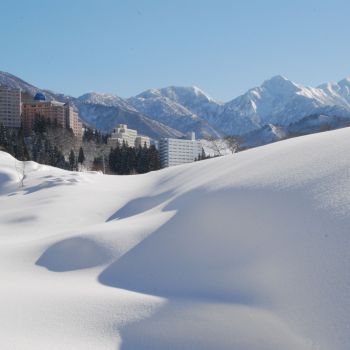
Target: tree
<point>218,146</point>
<point>203,155</point>
<point>81,156</point>
<point>154,159</point>
<point>40,124</point>
<point>72,162</point>
<point>232,143</point>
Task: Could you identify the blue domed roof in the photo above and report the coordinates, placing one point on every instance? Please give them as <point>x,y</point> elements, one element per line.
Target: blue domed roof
<point>39,97</point>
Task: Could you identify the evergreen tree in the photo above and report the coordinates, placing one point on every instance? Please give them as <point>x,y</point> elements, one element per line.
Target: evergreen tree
<point>153,158</point>
<point>72,160</point>
<point>203,155</point>
<point>81,156</point>
<point>4,141</point>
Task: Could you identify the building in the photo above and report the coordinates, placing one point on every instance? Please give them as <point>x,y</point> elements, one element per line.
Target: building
<point>179,151</point>
<point>10,107</point>
<point>141,141</point>
<point>123,134</point>
<point>55,111</point>
<point>73,122</point>
<point>60,113</point>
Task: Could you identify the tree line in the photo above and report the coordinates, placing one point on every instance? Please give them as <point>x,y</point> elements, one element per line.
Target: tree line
<point>52,144</point>
<point>125,160</point>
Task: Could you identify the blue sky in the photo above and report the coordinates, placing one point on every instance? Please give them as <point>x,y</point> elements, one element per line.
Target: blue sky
<point>124,47</point>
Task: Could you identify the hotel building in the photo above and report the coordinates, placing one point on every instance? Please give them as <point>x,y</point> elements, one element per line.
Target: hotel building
<point>179,151</point>
<point>10,107</point>
<point>122,133</point>
<point>73,121</point>
<point>61,113</point>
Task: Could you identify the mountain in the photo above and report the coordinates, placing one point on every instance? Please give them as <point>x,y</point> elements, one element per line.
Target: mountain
<point>104,99</point>
<point>183,108</point>
<point>105,111</point>
<point>282,102</point>
<point>173,111</point>
<point>339,92</point>
<point>11,80</point>
<point>101,111</point>
<point>308,125</point>
<point>105,118</point>
<point>246,252</point>
<point>194,99</point>
<point>267,134</point>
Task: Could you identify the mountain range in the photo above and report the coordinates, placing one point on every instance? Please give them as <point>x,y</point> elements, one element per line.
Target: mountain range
<point>278,107</point>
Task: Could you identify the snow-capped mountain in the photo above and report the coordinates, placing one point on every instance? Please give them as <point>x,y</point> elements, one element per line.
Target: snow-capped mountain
<point>338,92</point>
<point>267,134</point>
<point>105,99</point>
<point>105,118</point>
<point>194,99</point>
<point>308,125</point>
<point>173,111</point>
<point>282,102</point>
<point>182,108</point>
<point>12,81</point>
<point>105,111</point>
<point>101,111</point>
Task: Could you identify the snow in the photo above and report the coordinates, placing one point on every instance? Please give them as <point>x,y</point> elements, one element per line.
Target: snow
<point>282,102</point>
<point>184,108</point>
<point>249,252</point>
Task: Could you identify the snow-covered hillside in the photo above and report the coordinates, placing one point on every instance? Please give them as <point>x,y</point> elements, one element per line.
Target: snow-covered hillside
<point>248,252</point>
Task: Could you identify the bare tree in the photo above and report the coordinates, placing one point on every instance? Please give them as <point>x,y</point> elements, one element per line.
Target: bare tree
<point>232,143</point>
<point>216,145</point>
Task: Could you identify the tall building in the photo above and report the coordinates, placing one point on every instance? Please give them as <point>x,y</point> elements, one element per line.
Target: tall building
<point>122,133</point>
<point>73,121</point>
<point>179,151</point>
<point>63,114</point>
<point>10,107</point>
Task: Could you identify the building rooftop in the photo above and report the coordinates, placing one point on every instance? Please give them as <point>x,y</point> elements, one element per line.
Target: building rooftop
<point>39,97</point>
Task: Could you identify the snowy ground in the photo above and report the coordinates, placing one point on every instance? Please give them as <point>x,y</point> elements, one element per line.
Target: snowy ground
<point>246,252</point>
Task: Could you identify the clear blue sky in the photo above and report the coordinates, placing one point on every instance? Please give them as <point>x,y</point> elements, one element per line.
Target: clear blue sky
<point>127,46</point>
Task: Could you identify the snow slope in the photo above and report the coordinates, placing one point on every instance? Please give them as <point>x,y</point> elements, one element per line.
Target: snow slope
<point>247,252</point>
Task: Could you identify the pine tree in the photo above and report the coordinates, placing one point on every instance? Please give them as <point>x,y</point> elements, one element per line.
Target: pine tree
<point>3,137</point>
<point>203,156</point>
<point>81,156</point>
<point>72,160</point>
<point>153,158</point>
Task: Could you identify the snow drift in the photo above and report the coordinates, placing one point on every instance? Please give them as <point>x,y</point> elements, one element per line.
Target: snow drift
<point>244,252</point>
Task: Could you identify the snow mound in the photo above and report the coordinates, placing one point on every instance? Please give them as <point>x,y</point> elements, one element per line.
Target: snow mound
<point>248,252</point>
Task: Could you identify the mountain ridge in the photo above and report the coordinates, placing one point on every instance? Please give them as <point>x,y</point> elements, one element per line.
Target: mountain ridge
<point>174,110</point>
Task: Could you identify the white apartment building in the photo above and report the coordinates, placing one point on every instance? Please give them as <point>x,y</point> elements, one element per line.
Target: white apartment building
<point>122,133</point>
<point>141,141</point>
<point>10,107</point>
<point>179,151</point>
